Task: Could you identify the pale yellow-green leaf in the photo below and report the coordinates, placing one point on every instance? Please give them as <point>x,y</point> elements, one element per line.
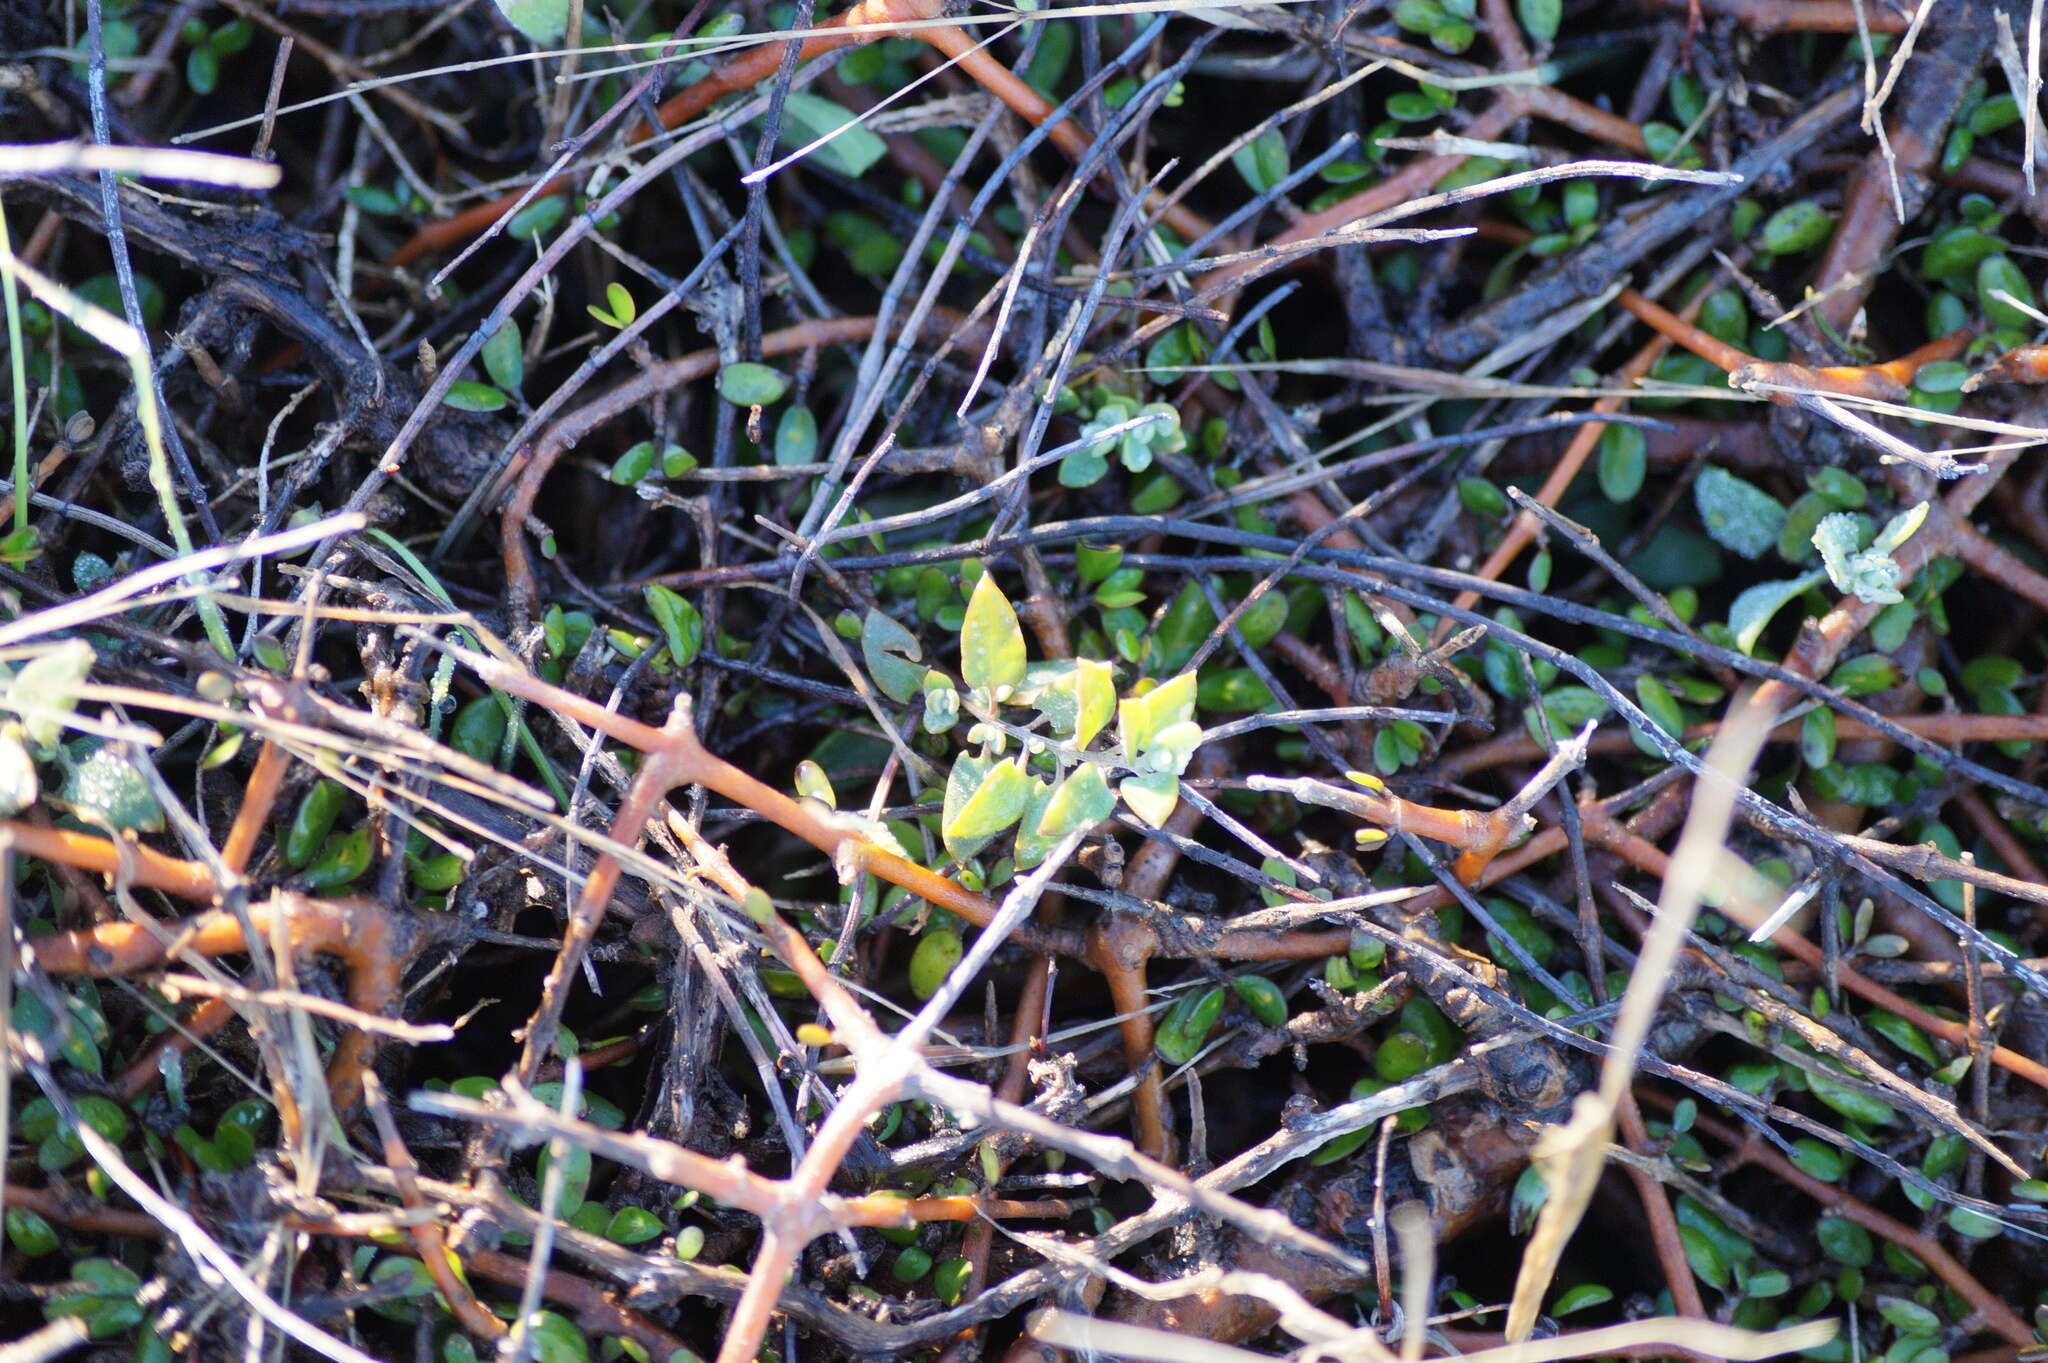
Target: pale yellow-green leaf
<point>1151,797</point>
<point>1082,800</point>
<point>1081,700</point>
<point>1141,719</point>
<point>982,799</point>
<point>991,641</point>
<point>46,689</point>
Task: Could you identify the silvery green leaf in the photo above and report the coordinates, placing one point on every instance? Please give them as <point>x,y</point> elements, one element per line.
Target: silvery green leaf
<point>1174,746</point>
<point>852,149</point>
<point>941,702</point>
<point>1867,574</point>
<point>1838,536</point>
<point>885,645</point>
<point>1740,516</point>
<point>542,21</point>
<point>106,787</point>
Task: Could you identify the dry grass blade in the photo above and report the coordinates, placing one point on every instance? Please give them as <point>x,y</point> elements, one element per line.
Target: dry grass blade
<point>1572,1156</point>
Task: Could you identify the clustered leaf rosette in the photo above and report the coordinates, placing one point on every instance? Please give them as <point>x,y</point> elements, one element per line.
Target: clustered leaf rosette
<point>1049,775</point>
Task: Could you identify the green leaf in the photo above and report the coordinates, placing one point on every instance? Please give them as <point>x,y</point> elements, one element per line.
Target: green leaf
<point>1032,845</point>
<point>813,784</point>
<point>1187,1025</point>
<point>504,357</point>
<point>1083,800</point>
<point>232,37</point>
<point>949,1280</point>
<point>796,437</point>
<point>1896,1029</point>
<point>1751,612</point>
<point>1262,997</point>
<point>1796,227</point>
<point>1540,18</point>
<point>636,463</point>
<point>619,310</point>
<point>1900,528</point>
<point>747,384</point>
<point>466,395</point>
<point>542,21</point>
<point>1708,1263</point>
<point>1817,742</point>
<point>202,70</point>
<point>1999,274</point>
<point>1968,1221</point>
<point>30,1233</point>
<point>109,790</point>
<point>991,641</point>
<point>576,1168</point>
<point>807,117</point>
<point>681,624</point>
<point>1865,675</point>
<point>1151,797</point>
<point>1845,1242</point>
<point>556,1339</point>
<point>885,645</point>
<point>1740,516</point>
<point>344,857</point>
<point>938,951</point>
<point>1262,161</point>
<point>1908,1317</point>
<point>1482,498</point>
<point>537,217</point>
<point>1567,707</point>
<point>1852,1103</point>
<point>1624,460</point>
<point>632,1226</point>
<point>1823,1162</point>
<point>982,799</point>
<point>321,805</point>
<point>1580,1297</point>
<point>1659,704</point>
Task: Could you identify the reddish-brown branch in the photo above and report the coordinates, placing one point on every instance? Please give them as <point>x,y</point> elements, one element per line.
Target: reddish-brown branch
<point>259,800</point>
<point>1678,1275</point>
<point>79,1212</point>
<point>427,1236</point>
<point>359,931</point>
<point>1799,16</point>
<point>143,866</point>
